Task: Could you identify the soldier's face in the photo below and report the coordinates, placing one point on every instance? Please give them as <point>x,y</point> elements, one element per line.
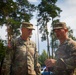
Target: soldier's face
<point>60,33</point>
<point>27,32</point>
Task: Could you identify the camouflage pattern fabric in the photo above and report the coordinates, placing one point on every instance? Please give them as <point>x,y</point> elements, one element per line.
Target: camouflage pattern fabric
<point>66,58</point>
<point>38,69</point>
<point>23,55</point>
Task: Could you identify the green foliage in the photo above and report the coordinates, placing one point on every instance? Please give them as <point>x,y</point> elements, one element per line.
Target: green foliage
<point>43,57</point>
<point>2,50</point>
<point>12,13</point>
<point>47,10</point>
<point>7,6</point>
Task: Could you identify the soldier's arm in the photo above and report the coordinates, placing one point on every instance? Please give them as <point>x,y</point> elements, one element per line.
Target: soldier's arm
<point>7,60</point>
<point>36,63</point>
<point>70,61</point>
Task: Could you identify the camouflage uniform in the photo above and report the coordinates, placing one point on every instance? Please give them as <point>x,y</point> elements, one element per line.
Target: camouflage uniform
<point>23,58</point>
<point>66,58</point>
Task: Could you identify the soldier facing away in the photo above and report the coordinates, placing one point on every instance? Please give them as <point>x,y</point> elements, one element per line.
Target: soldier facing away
<point>65,62</point>
<point>24,55</point>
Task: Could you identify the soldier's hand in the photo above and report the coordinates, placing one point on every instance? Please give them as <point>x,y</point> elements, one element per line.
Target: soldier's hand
<point>50,62</point>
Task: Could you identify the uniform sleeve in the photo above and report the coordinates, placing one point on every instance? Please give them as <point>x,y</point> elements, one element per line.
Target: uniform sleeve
<point>70,61</point>
<point>30,64</point>
<point>37,65</point>
<point>8,59</point>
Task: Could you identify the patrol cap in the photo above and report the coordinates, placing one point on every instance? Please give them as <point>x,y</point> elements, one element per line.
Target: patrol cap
<point>27,25</point>
<point>60,25</point>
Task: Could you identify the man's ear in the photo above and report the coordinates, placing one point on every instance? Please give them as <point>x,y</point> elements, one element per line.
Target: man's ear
<point>66,30</point>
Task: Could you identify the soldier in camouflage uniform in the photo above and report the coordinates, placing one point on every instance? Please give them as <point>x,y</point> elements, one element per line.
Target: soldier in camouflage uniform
<point>65,63</point>
<point>24,55</point>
